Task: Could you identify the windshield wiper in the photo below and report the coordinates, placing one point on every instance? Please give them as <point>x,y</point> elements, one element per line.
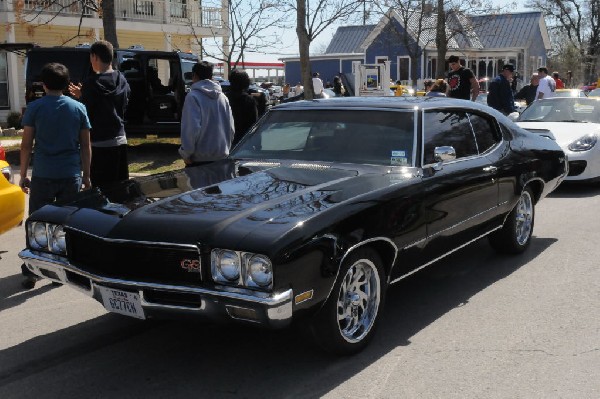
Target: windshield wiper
<point>574,120</point>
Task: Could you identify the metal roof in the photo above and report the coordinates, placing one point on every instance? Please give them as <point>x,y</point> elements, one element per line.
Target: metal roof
<point>480,32</point>
<point>347,39</point>
<point>507,30</point>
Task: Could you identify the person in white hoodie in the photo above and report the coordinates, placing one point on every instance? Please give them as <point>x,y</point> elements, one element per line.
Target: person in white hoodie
<point>207,126</point>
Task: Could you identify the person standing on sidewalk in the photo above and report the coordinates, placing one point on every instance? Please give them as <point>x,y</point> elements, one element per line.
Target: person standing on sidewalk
<point>500,96</point>
<point>546,85</point>
<point>57,131</point>
<point>243,106</point>
<point>105,95</point>
<point>207,126</point>
<point>461,81</point>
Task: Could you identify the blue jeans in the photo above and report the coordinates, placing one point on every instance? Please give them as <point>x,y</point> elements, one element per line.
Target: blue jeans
<point>45,191</point>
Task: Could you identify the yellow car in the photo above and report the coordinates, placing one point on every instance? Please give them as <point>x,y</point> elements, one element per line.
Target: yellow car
<point>12,198</point>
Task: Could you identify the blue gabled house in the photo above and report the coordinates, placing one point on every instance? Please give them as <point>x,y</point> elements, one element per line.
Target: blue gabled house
<point>484,42</point>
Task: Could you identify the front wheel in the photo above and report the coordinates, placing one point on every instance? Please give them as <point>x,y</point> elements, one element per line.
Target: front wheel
<point>515,235</point>
<point>348,318</point>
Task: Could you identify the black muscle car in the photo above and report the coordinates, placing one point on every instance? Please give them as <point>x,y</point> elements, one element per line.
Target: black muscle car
<point>315,213</point>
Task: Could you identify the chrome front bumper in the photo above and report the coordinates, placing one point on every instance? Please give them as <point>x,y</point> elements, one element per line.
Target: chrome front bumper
<point>162,300</point>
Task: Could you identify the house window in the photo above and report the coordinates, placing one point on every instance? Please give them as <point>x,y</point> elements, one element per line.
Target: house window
<point>539,63</point>
<point>381,59</point>
<point>403,68</point>
<point>4,103</point>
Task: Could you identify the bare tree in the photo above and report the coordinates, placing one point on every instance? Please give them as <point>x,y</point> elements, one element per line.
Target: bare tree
<point>252,28</point>
<point>453,21</point>
<point>579,22</point>
<point>54,8</point>
<point>311,20</point>
<point>415,31</point>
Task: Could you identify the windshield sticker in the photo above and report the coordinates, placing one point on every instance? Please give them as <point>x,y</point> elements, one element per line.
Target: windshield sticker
<point>584,109</point>
<point>398,158</point>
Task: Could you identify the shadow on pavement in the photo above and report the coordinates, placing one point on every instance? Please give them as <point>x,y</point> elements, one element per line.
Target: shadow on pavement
<point>575,190</point>
<point>12,294</point>
<point>112,356</point>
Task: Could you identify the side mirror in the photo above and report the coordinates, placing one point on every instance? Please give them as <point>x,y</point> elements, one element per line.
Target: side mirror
<point>443,154</point>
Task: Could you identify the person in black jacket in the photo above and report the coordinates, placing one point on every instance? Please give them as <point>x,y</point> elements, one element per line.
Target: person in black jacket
<point>500,94</point>
<point>243,105</point>
<point>105,96</point>
<point>527,93</point>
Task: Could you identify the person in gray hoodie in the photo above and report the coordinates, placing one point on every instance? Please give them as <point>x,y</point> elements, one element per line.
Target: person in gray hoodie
<point>207,125</point>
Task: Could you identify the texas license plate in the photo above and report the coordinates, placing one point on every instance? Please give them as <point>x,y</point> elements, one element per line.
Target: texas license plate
<point>122,302</point>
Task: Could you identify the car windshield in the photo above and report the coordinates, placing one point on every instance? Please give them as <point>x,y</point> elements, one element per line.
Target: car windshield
<point>346,136</point>
<point>562,110</point>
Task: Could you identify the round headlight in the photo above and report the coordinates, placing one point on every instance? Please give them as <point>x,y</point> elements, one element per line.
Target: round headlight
<point>39,237</point>
<point>57,239</point>
<point>260,270</point>
<point>229,265</point>
<point>583,143</point>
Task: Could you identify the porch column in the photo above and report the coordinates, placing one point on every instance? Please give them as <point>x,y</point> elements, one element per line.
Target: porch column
<point>225,25</point>
<point>12,63</point>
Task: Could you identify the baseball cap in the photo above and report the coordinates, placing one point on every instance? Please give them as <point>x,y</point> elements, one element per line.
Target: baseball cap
<point>510,67</point>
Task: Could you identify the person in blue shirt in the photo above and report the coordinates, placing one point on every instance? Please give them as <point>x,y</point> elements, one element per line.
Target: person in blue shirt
<point>56,129</point>
<point>500,95</point>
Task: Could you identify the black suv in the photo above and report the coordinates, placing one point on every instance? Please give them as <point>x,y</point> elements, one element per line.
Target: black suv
<point>159,81</point>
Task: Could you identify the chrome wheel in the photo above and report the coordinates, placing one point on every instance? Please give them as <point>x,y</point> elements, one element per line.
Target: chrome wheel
<point>524,218</point>
<point>358,300</point>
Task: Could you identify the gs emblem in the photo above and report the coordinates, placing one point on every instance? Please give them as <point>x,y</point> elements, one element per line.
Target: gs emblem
<point>191,265</point>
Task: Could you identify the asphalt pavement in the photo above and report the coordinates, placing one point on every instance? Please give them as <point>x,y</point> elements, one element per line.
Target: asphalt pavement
<point>474,325</point>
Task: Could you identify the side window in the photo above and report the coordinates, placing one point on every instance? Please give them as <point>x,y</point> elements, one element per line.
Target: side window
<point>447,128</point>
<point>485,133</point>
<point>158,74</point>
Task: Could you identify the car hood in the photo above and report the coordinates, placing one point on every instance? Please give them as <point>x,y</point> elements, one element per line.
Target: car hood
<point>227,201</point>
<point>564,132</point>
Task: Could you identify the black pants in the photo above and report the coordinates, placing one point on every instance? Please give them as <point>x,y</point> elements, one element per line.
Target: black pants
<point>109,165</point>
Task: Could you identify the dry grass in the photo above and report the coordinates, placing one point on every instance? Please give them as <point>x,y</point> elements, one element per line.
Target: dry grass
<point>146,155</point>
<point>153,155</point>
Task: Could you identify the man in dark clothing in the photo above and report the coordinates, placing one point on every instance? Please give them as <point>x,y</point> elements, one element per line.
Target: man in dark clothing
<point>243,106</point>
<point>461,81</point>
<point>500,95</point>
<point>105,95</point>
<point>527,93</point>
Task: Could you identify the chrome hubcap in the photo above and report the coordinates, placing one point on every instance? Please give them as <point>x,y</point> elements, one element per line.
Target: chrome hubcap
<point>358,300</point>
<point>524,218</point>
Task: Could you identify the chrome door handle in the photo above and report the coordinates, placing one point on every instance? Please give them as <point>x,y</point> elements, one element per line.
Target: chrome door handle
<point>490,169</point>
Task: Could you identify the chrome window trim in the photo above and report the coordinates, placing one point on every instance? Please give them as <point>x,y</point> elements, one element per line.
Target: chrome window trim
<point>468,112</point>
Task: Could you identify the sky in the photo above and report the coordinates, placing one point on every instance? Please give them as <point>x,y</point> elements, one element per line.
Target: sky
<point>289,40</point>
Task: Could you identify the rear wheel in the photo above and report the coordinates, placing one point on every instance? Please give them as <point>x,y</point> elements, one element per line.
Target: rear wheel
<point>348,318</point>
<point>515,235</point>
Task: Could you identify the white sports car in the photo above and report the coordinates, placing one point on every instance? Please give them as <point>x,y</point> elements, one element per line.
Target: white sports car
<point>575,125</point>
